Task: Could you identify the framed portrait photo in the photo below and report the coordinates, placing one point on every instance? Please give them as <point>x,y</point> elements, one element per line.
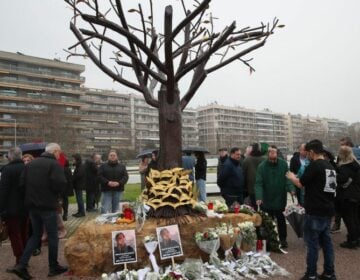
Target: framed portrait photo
<point>124,246</point>
<point>169,241</point>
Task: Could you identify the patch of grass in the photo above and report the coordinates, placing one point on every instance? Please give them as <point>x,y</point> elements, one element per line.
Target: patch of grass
<point>131,193</point>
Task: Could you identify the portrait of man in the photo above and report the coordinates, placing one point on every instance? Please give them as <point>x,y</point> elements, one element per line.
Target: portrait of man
<point>169,241</point>
<point>124,246</point>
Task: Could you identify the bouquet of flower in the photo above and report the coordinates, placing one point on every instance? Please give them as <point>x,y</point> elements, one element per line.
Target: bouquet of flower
<point>227,235</point>
<point>220,207</point>
<point>150,244</point>
<point>248,235</point>
<point>208,241</point>
<point>246,209</point>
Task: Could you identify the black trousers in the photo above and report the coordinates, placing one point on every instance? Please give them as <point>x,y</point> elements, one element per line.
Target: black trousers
<point>90,200</point>
<point>281,223</point>
<point>349,210</point>
<point>65,205</point>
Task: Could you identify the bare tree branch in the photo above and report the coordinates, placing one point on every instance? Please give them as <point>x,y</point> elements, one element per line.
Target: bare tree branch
<point>126,51</point>
<point>208,53</point>
<point>198,78</point>
<point>143,23</point>
<point>185,51</point>
<point>231,59</point>
<point>148,61</point>
<point>169,64</point>
<point>103,67</point>
<point>133,39</point>
<point>190,17</point>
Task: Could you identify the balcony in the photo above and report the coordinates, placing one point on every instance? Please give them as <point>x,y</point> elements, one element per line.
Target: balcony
<point>41,73</point>
<point>41,100</point>
<point>28,85</point>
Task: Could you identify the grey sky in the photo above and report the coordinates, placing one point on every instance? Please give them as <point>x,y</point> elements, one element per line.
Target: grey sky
<point>309,67</point>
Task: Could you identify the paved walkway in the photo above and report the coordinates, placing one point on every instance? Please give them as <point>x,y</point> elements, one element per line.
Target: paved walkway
<point>73,223</point>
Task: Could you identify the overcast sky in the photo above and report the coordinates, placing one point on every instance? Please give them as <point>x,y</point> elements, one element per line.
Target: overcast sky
<point>311,66</point>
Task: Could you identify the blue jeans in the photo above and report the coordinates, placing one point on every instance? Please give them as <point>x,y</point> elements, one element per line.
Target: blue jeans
<point>48,219</point>
<point>317,233</point>
<point>200,183</point>
<point>110,201</point>
<point>80,201</point>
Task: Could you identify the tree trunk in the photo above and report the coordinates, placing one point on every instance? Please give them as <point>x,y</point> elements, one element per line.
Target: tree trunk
<point>170,127</point>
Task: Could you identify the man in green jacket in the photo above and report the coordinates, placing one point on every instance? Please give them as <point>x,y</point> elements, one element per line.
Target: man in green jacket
<point>271,187</point>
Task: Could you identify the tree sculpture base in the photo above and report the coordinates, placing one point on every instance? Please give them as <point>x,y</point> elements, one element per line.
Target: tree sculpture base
<point>89,250</point>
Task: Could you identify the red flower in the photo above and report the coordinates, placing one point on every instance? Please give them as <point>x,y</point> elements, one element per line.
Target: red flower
<point>206,235</point>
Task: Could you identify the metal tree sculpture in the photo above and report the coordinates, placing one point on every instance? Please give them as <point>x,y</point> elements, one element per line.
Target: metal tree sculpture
<point>140,51</point>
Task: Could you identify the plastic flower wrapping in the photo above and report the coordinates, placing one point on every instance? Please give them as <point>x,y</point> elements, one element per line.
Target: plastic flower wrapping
<point>294,209</point>
<point>249,266</point>
<point>227,235</point>
<point>248,234</point>
<point>220,207</point>
<point>209,242</point>
<point>150,244</point>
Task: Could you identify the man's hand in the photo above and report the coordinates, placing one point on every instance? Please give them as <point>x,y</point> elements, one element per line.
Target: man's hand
<point>290,175</point>
<point>113,184</point>
<point>259,202</point>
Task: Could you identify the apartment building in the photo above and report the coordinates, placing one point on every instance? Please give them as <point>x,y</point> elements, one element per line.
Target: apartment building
<point>335,130</point>
<point>225,126</point>
<point>39,101</point>
<point>105,121</point>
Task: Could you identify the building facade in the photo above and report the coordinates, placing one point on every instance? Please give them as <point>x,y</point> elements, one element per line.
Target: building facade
<point>225,126</point>
<point>105,122</point>
<point>39,101</point>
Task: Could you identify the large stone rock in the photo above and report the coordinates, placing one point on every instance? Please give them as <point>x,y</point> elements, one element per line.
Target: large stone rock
<point>89,251</point>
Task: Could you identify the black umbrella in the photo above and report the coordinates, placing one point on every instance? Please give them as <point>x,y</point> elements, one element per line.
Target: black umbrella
<point>35,149</point>
<point>296,218</point>
<point>192,149</point>
<point>146,153</point>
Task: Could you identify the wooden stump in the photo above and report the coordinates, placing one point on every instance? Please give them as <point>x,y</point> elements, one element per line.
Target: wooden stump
<point>89,252</point>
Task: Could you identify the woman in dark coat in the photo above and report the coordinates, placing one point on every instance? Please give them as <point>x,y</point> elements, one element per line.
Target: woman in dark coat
<point>69,191</point>
<point>348,195</point>
<point>79,184</point>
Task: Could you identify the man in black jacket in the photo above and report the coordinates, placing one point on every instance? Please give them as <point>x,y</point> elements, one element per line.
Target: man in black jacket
<point>12,206</point>
<point>231,179</point>
<point>92,181</point>
<point>113,177</point>
<point>44,181</point>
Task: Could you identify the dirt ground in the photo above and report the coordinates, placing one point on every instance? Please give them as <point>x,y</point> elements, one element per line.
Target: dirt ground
<point>347,261</point>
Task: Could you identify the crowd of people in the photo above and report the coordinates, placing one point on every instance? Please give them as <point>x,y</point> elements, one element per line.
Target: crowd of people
<point>34,194</point>
<point>325,187</point>
<point>34,199</point>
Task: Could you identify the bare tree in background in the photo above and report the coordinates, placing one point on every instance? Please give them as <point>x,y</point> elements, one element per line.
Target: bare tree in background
<point>160,60</point>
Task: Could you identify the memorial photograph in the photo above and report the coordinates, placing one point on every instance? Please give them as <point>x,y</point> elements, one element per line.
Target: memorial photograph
<point>169,241</point>
<point>124,246</point>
